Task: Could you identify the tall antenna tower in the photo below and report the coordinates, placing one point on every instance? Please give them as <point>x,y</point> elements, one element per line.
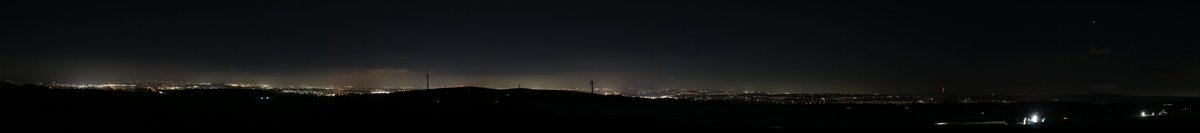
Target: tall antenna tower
<point>943,89</point>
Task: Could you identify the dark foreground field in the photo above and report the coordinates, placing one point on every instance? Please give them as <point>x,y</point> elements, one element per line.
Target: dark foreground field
<point>36,108</point>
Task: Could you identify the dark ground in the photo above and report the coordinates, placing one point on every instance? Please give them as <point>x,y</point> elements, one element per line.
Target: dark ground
<point>38,109</point>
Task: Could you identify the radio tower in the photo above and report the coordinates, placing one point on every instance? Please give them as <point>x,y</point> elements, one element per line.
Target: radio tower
<point>943,89</point>
<point>593,85</point>
<point>426,81</point>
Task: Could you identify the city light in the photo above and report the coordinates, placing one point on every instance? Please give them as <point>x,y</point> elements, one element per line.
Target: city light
<point>1152,114</point>
<point>690,94</point>
<point>1035,119</point>
<point>380,92</point>
<point>1032,119</point>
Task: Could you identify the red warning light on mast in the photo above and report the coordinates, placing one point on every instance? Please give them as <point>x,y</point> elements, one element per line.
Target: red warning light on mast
<point>943,88</point>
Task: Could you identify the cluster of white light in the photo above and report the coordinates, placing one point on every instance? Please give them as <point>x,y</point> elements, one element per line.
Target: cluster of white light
<point>1151,114</point>
<point>249,85</point>
<point>380,92</point>
<point>104,85</point>
<point>1032,119</point>
<point>659,97</point>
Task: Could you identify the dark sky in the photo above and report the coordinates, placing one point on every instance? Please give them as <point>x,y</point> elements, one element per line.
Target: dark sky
<point>972,47</point>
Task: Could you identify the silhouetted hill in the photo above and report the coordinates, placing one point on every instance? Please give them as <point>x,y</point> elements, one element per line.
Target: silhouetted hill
<point>1108,98</point>
<point>257,109</point>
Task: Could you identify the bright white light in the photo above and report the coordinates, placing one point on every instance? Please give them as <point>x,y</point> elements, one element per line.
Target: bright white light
<point>941,123</point>
<point>1144,114</point>
<point>1034,118</point>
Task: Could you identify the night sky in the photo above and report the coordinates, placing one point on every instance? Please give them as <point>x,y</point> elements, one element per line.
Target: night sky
<point>1016,47</point>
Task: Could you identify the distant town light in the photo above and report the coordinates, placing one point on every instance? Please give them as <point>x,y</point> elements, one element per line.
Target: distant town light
<point>1032,119</point>
<point>380,92</point>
